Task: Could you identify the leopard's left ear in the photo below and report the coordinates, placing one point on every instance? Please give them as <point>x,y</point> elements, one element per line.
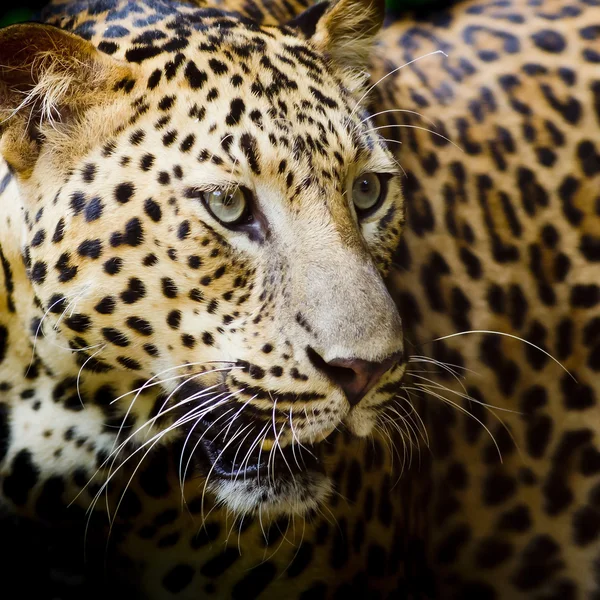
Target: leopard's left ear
<point>344,31</point>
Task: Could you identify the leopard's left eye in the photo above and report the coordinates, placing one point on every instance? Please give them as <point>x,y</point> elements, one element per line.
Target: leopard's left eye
<point>367,192</point>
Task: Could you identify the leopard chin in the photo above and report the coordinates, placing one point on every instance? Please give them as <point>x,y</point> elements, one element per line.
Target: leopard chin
<point>296,495</point>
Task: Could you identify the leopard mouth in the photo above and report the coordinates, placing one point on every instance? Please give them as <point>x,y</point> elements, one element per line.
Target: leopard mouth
<point>248,478</point>
<point>234,449</point>
<point>233,461</point>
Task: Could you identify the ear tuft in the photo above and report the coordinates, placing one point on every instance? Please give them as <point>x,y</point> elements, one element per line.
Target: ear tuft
<point>346,32</point>
<point>48,77</point>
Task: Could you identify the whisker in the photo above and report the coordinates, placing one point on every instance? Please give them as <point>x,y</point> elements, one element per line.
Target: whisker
<point>87,360</point>
<point>509,335</point>
<point>400,110</point>
<point>372,87</point>
<point>465,396</point>
<point>404,125</point>
<point>217,435</point>
<point>125,442</point>
<point>463,410</point>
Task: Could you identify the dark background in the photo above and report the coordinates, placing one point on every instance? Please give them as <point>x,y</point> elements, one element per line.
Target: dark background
<point>23,11</point>
<point>26,11</point>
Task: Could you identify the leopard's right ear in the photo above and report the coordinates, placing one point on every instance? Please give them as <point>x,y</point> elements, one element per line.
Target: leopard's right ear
<point>344,31</point>
<point>49,79</point>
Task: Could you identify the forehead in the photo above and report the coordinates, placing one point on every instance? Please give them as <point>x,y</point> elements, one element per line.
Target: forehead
<point>236,89</point>
<point>232,82</point>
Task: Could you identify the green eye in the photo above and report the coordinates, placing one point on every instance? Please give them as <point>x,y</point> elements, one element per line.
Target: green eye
<point>367,192</point>
<point>227,207</point>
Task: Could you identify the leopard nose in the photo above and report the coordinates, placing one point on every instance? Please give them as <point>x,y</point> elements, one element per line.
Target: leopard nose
<point>355,376</point>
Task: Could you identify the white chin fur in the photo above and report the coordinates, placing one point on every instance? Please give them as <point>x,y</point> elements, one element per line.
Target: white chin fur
<point>361,422</point>
<point>289,497</point>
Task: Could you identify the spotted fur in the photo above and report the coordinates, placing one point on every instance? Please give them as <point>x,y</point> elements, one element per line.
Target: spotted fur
<point>190,380</point>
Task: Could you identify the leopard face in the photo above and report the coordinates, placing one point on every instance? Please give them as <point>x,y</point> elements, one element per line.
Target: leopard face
<point>218,220</point>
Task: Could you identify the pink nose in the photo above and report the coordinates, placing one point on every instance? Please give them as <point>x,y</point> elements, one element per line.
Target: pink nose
<point>354,375</point>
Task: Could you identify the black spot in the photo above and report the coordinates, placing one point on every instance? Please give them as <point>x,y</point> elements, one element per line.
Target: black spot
<point>151,350</point>
<point>174,319</point>
<point>589,158</point>
<point>194,262</point>
<point>169,289</point>
<point>109,47</point>
<point>236,110</point>
<point>184,230</point>
<point>249,147</point>
<point>515,519</point>
<point>219,564</point>
<point>124,192</point>
<point>590,461</point>
<point>550,236</point>
<point>497,488</point>
<point>135,290</point>
<point>136,138</point>
<point>538,432</point>
<point>567,192</point>
<point>139,54</point>
<point>257,580</point>
<point>585,296</point>
<point>538,563</point>
<point>450,546</point>
<point>77,202</point>
<point>113,265</point>
<point>218,67</point>
<point>533,398</point>
<point>140,325</point>
<point>471,262</point>
<point>549,40</point>
<point>152,209</point>
<point>178,578</point>
<point>4,430</point>
<point>492,552</point>
<point>586,525</point>
<point>49,504</point>
<point>78,322</point>
<point>134,233</point>
<point>590,247</point>
<point>576,396</point>
<point>38,272</point>
<point>90,248</point>
<point>21,479</point>
<point>59,232</point>
<point>146,162</point>
<point>114,336</point>
<point>106,306</point>
<point>166,102</point>
<point>339,547</point>
<point>194,76</point>
<point>129,363</point>
<point>38,238</point>
<point>92,212</point>
<point>130,505</point>
<point>302,559</point>
<point>209,532</point>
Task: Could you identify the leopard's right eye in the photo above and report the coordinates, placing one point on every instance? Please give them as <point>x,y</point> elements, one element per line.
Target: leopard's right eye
<point>229,207</point>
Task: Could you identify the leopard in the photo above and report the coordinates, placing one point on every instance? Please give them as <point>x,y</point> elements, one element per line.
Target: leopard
<point>301,300</point>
